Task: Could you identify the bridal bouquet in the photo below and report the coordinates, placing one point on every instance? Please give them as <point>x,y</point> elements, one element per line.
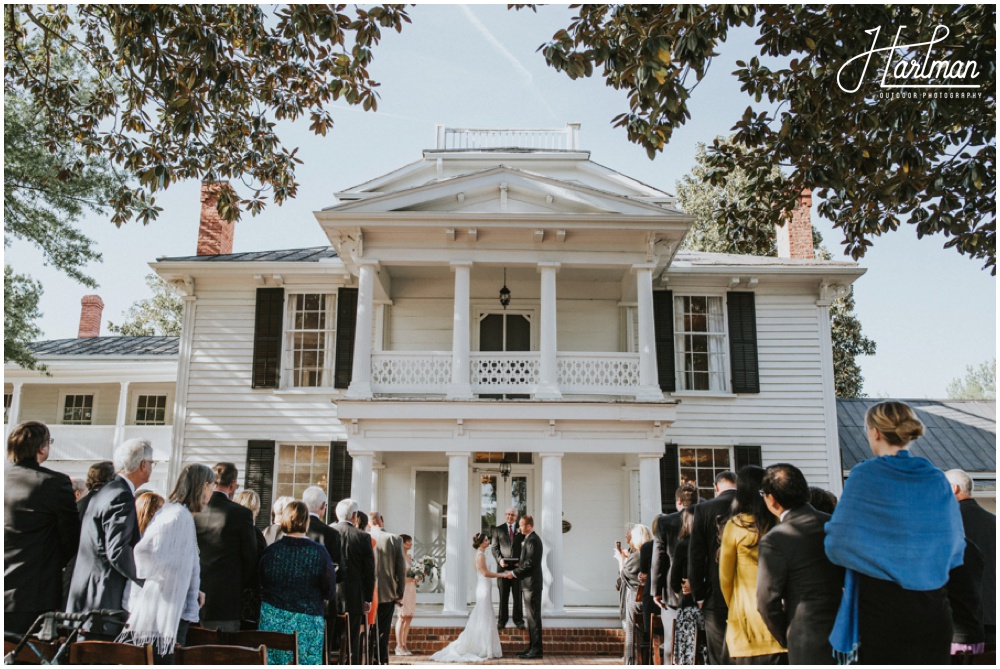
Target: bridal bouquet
<point>423,570</point>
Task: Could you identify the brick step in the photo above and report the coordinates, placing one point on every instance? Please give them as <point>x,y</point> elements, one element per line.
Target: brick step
<point>565,641</point>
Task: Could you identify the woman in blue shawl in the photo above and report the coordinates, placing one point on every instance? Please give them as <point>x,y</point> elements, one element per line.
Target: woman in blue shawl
<point>898,531</point>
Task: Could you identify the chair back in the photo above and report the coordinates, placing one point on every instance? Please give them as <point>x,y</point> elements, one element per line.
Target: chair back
<point>213,654</point>
<point>270,640</point>
<point>343,633</point>
<point>202,636</point>
<point>656,641</point>
<point>109,652</point>
<point>33,652</point>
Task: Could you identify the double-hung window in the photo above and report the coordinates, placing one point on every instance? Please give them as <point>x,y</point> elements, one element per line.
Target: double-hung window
<point>701,465</point>
<point>151,410</point>
<point>310,340</point>
<point>700,342</point>
<point>78,410</point>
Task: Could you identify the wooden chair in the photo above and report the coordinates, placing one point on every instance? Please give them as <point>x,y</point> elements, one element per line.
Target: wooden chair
<point>219,655</point>
<point>270,640</point>
<point>109,652</point>
<point>656,640</point>
<point>33,652</point>
<point>343,633</point>
<point>202,636</point>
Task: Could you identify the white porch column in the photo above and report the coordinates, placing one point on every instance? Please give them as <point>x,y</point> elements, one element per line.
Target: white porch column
<point>183,375</point>
<point>361,370</point>
<point>649,387</point>
<point>14,412</point>
<point>649,487</point>
<point>361,479</point>
<point>122,416</point>
<point>457,545</point>
<point>461,387</point>
<point>829,293</point>
<point>550,531</point>
<point>548,382</point>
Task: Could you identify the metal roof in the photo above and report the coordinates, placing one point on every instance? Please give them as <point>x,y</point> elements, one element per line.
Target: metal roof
<point>313,254</point>
<point>961,434</point>
<point>107,346</point>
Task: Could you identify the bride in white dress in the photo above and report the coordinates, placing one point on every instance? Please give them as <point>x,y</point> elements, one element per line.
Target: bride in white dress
<point>479,640</point>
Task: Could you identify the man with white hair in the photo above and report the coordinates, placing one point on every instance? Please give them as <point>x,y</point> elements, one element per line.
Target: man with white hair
<point>355,573</point>
<point>391,579</point>
<point>109,532</point>
<point>981,529</point>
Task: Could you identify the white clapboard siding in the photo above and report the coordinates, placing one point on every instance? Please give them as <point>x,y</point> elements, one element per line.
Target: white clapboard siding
<point>421,324</point>
<point>43,402</point>
<point>588,325</point>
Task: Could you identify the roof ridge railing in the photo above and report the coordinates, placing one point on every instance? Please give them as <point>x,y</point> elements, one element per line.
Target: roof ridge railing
<point>553,139</point>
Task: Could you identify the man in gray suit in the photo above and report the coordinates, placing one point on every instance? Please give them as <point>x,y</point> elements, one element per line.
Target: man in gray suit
<point>109,532</point>
<point>798,588</point>
<point>390,577</point>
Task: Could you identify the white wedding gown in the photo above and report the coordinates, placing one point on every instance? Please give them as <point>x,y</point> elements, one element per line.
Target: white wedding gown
<point>479,640</point>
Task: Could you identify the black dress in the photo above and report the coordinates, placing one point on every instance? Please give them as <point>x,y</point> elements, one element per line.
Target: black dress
<point>903,627</point>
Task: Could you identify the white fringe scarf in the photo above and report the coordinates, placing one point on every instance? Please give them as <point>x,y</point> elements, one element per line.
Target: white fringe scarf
<point>167,557</point>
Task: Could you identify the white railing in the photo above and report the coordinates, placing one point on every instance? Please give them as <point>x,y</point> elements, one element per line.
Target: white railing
<point>160,435</point>
<point>559,139</point>
<point>411,372</point>
<point>504,372</point>
<point>610,373</point>
<point>82,442</point>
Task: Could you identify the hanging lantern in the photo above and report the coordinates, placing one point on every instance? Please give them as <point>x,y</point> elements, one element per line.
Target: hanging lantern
<point>504,292</point>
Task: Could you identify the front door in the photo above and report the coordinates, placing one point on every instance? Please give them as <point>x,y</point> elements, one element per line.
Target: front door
<point>498,494</point>
<point>505,332</point>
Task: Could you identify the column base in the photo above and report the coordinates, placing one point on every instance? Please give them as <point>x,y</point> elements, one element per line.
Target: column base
<point>547,392</point>
<point>649,394</point>
<point>460,392</point>
<point>359,391</point>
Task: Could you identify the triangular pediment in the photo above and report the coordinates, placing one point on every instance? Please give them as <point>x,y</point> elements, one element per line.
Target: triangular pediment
<point>503,189</point>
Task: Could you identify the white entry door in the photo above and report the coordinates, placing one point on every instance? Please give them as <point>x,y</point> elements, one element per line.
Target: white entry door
<point>498,494</point>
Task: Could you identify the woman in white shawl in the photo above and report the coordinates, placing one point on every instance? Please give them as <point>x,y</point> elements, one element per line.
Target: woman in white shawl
<point>167,558</point>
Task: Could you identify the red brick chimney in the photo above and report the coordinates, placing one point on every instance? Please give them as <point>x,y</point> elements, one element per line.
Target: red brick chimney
<point>795,237</point>
<point>215,236</point>
<point>92,306</point>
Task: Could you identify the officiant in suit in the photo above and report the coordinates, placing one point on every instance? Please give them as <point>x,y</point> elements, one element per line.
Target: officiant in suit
<point>529,574</point>
<point>506,544</point>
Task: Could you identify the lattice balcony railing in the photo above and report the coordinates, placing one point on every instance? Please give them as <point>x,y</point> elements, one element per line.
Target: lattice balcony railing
<point>411,372</point>
<point>612,373</point>
<point>504,372</point>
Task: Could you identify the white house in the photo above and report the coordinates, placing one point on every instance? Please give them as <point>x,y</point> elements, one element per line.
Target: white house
<point>388,368</point>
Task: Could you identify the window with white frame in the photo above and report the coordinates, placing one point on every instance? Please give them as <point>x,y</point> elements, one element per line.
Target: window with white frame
<point>78,410</point>
<point>7,399</point>
<point>310,340</point>
<point>700,342</point>
<point>151,410</point>
<point>301,466</point>
<point>701,465</point>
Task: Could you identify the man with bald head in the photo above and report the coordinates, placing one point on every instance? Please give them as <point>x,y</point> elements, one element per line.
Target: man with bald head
<point>505,543</point>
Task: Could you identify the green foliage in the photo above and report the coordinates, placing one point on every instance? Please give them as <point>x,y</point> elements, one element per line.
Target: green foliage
<point>874,163</point>
<point>162,314</point>
<point>20,311</point>
<point>191,91</point>
<point>709,203</point>
<point>980,383</point>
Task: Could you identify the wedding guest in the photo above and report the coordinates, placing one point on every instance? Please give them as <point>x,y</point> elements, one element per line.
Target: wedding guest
<point>162,610</point>
<point>147,503</point>
<point>688,645</point>
<point>390,579</point>
<point>372,616</point>
<point>99,475</point>
<point>645,603</point>
<point>981,528</point>
<point>748,639</point>
<point>822,500</point>
<point>409,605</point>
<point>666,530</point>
<point>964,586</point>
<point>296,576</point>
<point>79,488</point>
<point>798,588</point>
<point>41,528</point>
<point>629,569</point>
<point>250,599</point>
<point>703,564</point>
<point>898,531</point>
<point>355,573</point>
<point>274,531</point>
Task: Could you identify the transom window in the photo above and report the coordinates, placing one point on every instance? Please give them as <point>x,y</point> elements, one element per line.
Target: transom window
<point>78,410</point>
<point>151,410</point>
<point>701,465</point>
<point>7,399</point>
<point>512,458</point>
<point>700,332</point>
<point>301,466</point>
<point>311,340</point>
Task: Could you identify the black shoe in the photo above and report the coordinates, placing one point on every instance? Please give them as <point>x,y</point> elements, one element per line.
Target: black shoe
<point>500,626</point>
<point>519,626</point>
<point>530,656</point>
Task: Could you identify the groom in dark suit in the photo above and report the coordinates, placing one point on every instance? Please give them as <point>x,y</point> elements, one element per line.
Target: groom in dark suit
<point>506,543</point>
<point>529,574</point>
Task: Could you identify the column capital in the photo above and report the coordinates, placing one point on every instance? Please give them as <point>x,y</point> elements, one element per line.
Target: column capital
<point>367,262</point>
<point>359,452</point>
<point>643,267</point>
<point>458,454</point>
<point>460,263</point>
<point>549,265</point>
<point>550,455</point>
<point>649,456</point>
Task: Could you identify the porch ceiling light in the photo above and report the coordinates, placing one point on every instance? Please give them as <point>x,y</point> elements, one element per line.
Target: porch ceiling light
<point>504,469</point>
<point>504,301</point>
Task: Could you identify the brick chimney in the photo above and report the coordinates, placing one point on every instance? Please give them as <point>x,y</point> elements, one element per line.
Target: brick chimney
<point>92,306</point>
<point>795,237</point>
<point>215,236</point>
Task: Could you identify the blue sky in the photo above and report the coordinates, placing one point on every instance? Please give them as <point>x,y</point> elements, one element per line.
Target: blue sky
<point>931,311</point>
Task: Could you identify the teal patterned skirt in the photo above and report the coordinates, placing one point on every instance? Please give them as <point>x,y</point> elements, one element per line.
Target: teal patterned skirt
<point>310,629</point>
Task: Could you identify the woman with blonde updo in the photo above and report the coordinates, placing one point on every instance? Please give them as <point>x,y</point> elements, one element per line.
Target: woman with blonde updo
<point>898,531</point>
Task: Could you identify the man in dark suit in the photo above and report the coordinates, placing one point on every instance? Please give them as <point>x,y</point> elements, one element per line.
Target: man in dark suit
<point>703,565</point>
<point>506,545</point>
<point>798,588</point>
<point>315,500</point>
<point>227,547</point>
<point>981,529</point>
<point>355,573</point>
<point>666,529</point>
<point>529,574</point>
<point>109,532</point>
<point>41,529</point>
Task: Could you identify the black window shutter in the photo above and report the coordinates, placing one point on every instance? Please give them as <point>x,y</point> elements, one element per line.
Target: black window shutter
<point>670,479</point>
<point>663,326</point>
<point>340,476</point>
<point>347,322</point>
<point>259,477</point>
<point>267,337</point>
<point>747,455</point>
<point>743,342</point>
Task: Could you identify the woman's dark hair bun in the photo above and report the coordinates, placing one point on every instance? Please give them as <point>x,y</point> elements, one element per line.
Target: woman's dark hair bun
<point>477,539</point>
